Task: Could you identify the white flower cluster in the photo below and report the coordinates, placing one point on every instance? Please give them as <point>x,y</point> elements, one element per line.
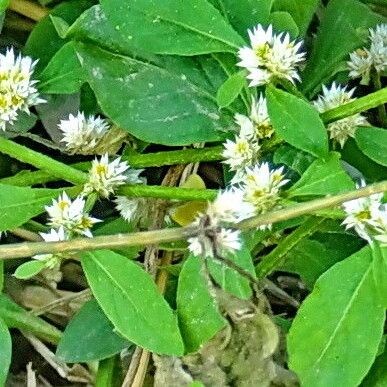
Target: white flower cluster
<point>337,95</point>
<point>368,216</point>
<point>82,134</point>
<point>17,89</point>
<point>364,60</point>
<point>270,56</point>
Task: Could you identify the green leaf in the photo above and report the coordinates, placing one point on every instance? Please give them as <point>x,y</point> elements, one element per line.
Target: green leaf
<point>23,124</point>
<point>343,29</point>
<point>379,270</point>
<point>63,74</point>
<point>373,143</point>
<point>182,112</point>
<point>92,328</point>
<point>20,204</point>
<point>61,26</point>
<point>229,91</point>
<point>283,21</point>
<point>5,352</point>
<point>29,269</point>
<point>377,377</point>
<point>1,275</point>
<point>3,5</point>
<point>122,285</point>
<point>297,122</point>
<point>192,27</point>
<point>198,315</point>
<point>295,159</point>
<point>229,279</point>
<point>323,177</point>
<point>336,333</point>
<point>301,11</point>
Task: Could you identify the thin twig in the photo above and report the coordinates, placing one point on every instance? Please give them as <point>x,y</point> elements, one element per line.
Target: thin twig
<point>29,9</point>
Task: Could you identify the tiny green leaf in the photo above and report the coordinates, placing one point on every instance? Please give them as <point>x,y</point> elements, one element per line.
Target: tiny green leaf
<point>93,329</point>
<point>199,318</point>
<point>336,333</point>
<point>297,122</point>
<point>5,352</point>
<point>229,91</point>
<point>122,285</point>
<point>29,269</point>
<point>373,143</point>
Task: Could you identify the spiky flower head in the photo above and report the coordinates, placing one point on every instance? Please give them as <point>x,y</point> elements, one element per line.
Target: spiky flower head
<point>105,177</point>
<point>70,215</point>
<point>270,56</point>
<point>131,209</point>
<point>82,134</point>
<point>336,95</point>
<point>17,88</point>
<point>378,48</point>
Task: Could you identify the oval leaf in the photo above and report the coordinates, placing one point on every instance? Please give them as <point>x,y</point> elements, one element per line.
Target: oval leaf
<point>230,89</point>
<point>93,329</point>
<point>29,269</point>
<point>336,333</point>
<point>5,352</point>
<point>189,27</point>
<point>199,318</point>
<point>373,143</point>
<point>122,285</point>
<point>297,122</point>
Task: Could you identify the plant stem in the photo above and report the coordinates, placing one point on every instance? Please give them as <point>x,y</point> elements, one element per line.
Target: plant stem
<point>361,104</point>
<point>381,108</point>
<point>29,9</point>
<point>27,249</point>
<point>41,161</point>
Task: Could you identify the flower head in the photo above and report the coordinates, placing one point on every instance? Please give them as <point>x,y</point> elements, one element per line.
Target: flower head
<point>105,177</point>
<point>81,134</point>
<point>270,56</point>
<point>130,208</point>
<point>17,89</point>
<point>69,215</point>
<point>337,95</point>
<point>360,65</point>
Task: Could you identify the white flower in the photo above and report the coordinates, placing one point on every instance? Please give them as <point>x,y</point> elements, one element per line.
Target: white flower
<point>378,49</point>
<point>130,208</point>
<point>70,215</point>
<point>240,153</point>
<point>105,177</point>
<point>81,134</point>
<point>270,56</point>
<point>17,89</point>
<point>360,65</point>
<point>337,95</point>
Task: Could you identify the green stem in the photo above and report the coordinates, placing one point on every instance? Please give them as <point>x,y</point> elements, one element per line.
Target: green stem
<point>272,260</point>
<point>162,192</point>
<point>381,108</point>
<point>361,104</point>
<point>41,161</point>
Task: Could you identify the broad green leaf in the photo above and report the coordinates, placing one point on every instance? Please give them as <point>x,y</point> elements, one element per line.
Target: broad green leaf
<point>122,285</point>
<point>323,177</point>
<point>20,204</point>
<point>297,122</point>
<point>22,125</point>
<point>181,112</point>
<point>1,275</point>
<point>373,143</point>
<point>283,21</point>
<point>336,333</point>
<point>343,29</point>
<point>5,352</point>
<point>228,278</point>
<point>301,11</point>
<point>198,315</point>
<point>29,269</point>
<point>230,89</point>
<point>377,377</point>
<point>245,14</point>
<point>63,74</point>
<point>92,328</point>
<point>379,270</point>
<point>295,159</point>
<point>61,26</point>
<point>189,27</point>
<point>43,42</point>
<point>16,317</point>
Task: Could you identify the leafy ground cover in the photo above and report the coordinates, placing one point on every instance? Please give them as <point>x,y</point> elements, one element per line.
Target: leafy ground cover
<point>192,193</point>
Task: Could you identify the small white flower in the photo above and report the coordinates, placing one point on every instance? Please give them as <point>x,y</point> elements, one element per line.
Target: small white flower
<point>360,65</point>
<point>337,95</point>
<point>105,177</point>
<point>240,153</point>
<point>130,208</point>
<point>270,56</point>
<point>70,215</point>
<point>378,49</point>
<point>81,134</point>
<point>17,89</point>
